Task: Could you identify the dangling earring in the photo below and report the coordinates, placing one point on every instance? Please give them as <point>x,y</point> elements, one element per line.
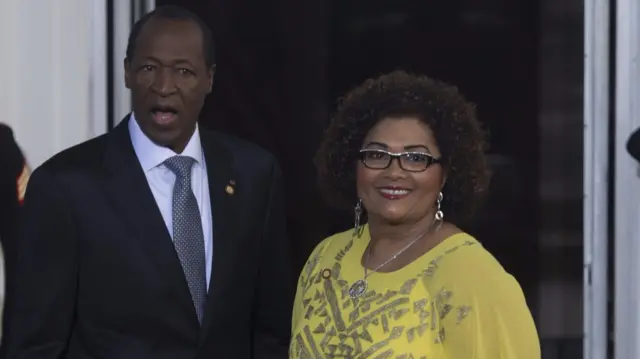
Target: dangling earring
<point>357,228</point>
<point>439,217</point>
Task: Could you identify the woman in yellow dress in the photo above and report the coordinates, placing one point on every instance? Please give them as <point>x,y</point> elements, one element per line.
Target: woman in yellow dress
<point>407,154</point>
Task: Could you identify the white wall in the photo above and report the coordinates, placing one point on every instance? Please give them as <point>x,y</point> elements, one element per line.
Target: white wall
<point>46,84</point>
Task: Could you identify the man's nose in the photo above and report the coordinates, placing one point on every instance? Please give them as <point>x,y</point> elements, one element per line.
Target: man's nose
<point>164,83</point>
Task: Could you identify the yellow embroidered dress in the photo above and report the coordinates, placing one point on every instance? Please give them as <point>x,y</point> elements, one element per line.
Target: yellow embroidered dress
<point>454,302</point>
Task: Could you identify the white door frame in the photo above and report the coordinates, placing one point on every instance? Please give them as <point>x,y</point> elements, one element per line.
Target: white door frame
<point>627,183</point>
<point>596,172</point>
<point>123,18</point>
<point>98,68</point>
<point>121,28</point>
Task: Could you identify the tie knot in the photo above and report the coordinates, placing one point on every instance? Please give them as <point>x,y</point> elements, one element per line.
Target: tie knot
<point>180,165</point>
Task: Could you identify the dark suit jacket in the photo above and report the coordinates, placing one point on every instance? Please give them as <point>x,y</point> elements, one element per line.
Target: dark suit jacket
<point>99,276</point>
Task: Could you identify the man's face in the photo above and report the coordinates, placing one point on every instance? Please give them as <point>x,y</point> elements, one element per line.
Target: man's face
<point>169,80</point>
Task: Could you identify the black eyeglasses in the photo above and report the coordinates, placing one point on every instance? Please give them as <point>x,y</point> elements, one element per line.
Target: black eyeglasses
<point>409,161</point>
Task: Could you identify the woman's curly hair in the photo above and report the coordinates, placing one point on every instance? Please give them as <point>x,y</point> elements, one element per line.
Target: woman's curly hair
<point>442,107</point>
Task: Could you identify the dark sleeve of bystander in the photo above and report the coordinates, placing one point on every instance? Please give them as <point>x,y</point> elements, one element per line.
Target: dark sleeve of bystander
<point>14,175</point>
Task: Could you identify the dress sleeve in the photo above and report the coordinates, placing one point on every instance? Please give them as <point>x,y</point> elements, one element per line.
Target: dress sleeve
<point>486,317</point>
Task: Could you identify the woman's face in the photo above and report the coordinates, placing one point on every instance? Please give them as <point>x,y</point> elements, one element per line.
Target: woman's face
<point>395,194</point>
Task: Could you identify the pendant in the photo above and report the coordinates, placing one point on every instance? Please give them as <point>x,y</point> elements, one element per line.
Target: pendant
<point>358,288</point>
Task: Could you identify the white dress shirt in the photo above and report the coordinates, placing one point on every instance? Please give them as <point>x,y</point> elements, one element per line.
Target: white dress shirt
<point>161,180</point>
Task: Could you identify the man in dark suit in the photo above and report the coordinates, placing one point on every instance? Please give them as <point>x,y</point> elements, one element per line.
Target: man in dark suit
<point>159,239</point>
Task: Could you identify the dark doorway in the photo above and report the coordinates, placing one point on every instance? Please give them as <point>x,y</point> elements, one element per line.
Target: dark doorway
<point>281,65</point>
<point>489,49</point>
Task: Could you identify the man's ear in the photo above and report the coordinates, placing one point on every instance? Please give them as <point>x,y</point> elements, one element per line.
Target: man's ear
<point>211,75</point>
<point>127,67</point>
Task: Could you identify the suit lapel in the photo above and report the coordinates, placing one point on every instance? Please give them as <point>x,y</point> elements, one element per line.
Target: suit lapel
<point>128,190</point>
<point>223,208</point>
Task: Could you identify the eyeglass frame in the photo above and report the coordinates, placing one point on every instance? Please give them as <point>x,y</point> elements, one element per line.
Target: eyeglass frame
<point>398,156</point>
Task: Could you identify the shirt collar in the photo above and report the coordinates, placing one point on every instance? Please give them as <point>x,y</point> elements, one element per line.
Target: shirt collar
<point>152,155</point>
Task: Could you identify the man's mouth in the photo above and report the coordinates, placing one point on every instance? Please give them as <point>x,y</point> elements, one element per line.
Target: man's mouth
<point>164,115</point>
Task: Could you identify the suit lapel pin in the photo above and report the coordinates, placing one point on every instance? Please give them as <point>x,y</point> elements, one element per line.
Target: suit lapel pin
<point>230,189</point>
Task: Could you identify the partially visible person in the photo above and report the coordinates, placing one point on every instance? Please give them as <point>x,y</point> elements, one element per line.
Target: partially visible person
<point>406,153</point>
<point>633,145</point>
<point>14,175</point>
<point>160,239</point>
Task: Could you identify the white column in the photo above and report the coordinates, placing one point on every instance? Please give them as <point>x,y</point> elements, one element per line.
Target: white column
<point>45,92</point>
<point>596,172</point>
<point>627,183</point>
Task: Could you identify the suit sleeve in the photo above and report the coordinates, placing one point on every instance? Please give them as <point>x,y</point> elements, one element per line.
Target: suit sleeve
<point>43,299</point>
<point>272,308</point>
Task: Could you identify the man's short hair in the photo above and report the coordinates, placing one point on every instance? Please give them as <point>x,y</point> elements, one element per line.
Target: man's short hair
<point>173,12</point>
